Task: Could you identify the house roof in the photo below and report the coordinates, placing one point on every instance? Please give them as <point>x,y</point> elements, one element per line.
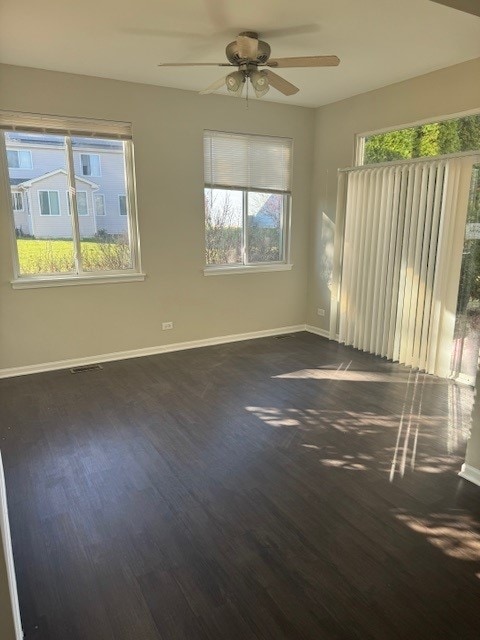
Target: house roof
<point>15,181</point>
<point>28,183</point>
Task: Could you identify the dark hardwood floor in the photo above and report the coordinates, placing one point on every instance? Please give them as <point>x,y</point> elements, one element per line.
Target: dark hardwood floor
<point>269,489</point>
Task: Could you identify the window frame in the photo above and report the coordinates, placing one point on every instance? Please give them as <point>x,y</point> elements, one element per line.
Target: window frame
<point>91,175</point>
<point>77,191</point>
<point>20,195</point>
<point>79,277</point>
<point>49,214</point>
<point>102,196</point>
<point>18,151</point>
<point>254,267</point>
<point>122,195</point>
<point>83,215</point>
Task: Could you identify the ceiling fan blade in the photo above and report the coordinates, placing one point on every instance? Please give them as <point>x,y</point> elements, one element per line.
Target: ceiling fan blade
<point>195,64</point>
<point>468,6</point>
<point>304,61</point>
<point>280,84</point>
<point>214,86</point>
<point>247,47</point>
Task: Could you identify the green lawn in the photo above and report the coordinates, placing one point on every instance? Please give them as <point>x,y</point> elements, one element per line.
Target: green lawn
<point>56,256</point>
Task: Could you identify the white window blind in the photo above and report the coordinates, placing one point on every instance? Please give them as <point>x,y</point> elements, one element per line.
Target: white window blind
<point>402,250</point>
<point>84,127</point>
<point>239,161</point>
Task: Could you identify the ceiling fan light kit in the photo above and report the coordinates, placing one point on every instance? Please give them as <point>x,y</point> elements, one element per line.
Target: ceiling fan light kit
<point>248,53</point>
<point>260,83</point>
<point>234,82</point>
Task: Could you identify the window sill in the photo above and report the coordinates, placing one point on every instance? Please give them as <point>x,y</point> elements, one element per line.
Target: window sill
<point>254,268</point>
<point>67,281</point>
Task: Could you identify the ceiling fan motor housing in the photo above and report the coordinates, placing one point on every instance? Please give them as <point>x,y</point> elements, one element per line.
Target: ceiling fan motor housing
<point>263,54</point>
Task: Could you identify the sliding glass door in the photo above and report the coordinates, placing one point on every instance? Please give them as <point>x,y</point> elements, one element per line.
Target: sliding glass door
<point>466,342</point>
<point>400,266</point>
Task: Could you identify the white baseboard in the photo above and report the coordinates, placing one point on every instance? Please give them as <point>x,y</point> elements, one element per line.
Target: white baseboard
<point>317,331</point>
<point>147,351</point>
<point>470,473</point>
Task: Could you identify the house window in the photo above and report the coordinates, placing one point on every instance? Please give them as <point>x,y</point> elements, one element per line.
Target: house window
<point>19,159</point>
<point>49,203</point>
<point>61,249</point>
<point>82,206</point>
<point>122,205</point>
<point>90,164</point>
<point>99,201</point>
<point>428,140</point>
<point>247,200</point>
<point>17,201</point>
<point>82,203</point>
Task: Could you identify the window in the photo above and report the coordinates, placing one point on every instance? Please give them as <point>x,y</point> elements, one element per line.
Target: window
<point>55,249</point>
<point>122,205</point>
<point>17,201</point>
<point>247,201</point>
<point>99,201</point>
<point>437,138</point>
<point>90,164</point>
<point>49,203</point>
<point>19,159</point>
<point>82,206</point>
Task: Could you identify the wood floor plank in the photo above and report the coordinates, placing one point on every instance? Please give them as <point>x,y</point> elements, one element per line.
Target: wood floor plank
<point>271,489</point>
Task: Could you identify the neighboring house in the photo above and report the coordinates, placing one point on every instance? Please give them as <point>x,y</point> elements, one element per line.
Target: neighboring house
<point>46,207</point>
<point>38,181</point>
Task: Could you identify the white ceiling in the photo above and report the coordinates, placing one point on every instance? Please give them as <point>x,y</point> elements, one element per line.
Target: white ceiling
<point>378,41</point>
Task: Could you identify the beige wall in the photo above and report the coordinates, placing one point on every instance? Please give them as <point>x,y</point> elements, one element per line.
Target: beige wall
<point>42,325</point>
<point>451,90</point>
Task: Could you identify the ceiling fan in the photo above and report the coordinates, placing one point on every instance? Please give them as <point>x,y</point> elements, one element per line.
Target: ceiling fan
<point>249,54</point>
<point>468,6</point>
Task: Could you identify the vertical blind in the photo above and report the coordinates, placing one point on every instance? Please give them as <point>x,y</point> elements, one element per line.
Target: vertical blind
<point>241,161</point>
<point>402,250</point>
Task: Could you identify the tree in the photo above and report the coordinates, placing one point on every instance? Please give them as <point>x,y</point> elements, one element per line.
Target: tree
<point>426,140</point>
<point>469,132</point>
<point>449,140</point>
<point>393,145</point>
<point>223,235</point>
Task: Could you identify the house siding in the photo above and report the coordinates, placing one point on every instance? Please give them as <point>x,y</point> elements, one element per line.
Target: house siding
<point>111,183</point>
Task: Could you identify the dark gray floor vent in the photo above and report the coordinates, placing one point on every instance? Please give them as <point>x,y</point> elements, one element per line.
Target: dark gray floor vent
<point>86,367</point>
<point>284,337</point>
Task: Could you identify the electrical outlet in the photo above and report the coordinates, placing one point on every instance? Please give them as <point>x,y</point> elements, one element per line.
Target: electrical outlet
<point>167,325</point>
<point>320,312</point>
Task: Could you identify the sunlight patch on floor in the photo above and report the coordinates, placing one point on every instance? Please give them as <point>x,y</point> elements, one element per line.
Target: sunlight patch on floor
<point>342,374</point>
<point>457,535</point>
